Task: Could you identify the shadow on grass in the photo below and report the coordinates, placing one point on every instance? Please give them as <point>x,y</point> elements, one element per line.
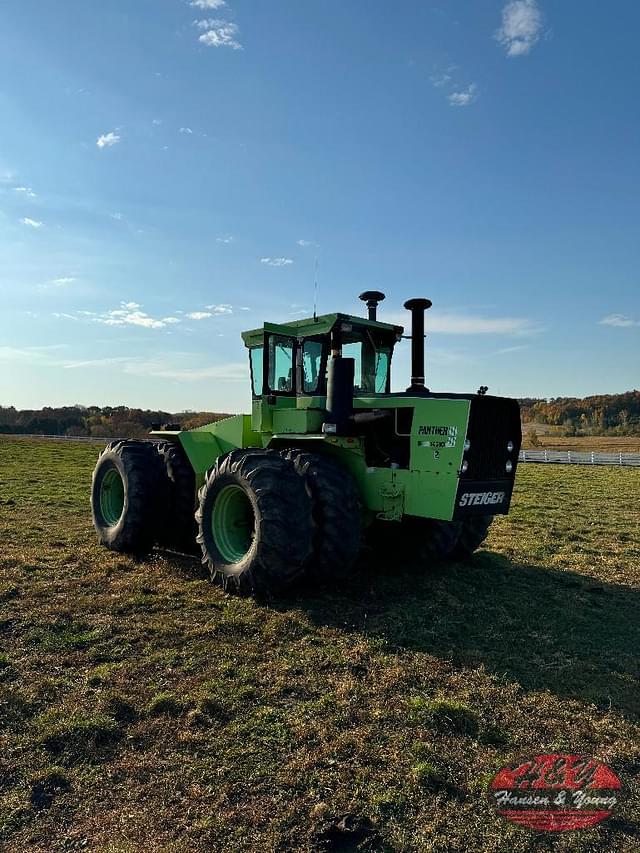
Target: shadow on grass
<point>546,629</point>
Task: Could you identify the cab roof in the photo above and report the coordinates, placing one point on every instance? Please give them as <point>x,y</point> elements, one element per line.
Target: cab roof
<point>314,326</point>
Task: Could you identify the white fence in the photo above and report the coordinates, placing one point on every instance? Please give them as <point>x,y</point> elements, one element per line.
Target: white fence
<point>576,457</point>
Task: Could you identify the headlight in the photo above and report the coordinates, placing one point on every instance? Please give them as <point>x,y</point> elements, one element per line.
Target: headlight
<point>510,447</point>
<point>465,467</point>
<point>467,444</point>
<point>509,466</point>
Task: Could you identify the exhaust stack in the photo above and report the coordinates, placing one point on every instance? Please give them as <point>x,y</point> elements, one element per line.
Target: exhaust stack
<point>340,375</point>
<point>372,297</point>
<point>417,308</point>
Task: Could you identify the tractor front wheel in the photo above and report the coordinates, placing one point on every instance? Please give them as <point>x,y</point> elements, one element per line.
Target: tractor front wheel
<point>254,519</point>
<point>414,541</point>
<point>128,492</point>
<point>433,540</point>
<point>473,532</point>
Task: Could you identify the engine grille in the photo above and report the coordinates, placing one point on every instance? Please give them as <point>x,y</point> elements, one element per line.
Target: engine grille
<point>493,422</point>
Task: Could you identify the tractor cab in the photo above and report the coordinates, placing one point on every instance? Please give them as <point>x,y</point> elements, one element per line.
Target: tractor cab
<point>291,364</point>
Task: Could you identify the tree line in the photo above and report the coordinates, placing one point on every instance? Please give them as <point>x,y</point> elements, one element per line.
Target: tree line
<point>602,414</point>
<point>98,421</point>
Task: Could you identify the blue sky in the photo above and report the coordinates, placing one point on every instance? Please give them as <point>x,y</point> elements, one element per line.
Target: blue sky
<point>170,171</point>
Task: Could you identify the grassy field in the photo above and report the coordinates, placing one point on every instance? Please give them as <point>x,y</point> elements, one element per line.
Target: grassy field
<point>549,438</point>
<point>600,443</point>
<point>143,709</point>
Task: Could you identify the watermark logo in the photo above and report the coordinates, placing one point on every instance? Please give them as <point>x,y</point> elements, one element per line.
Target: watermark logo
<point>556,792</point>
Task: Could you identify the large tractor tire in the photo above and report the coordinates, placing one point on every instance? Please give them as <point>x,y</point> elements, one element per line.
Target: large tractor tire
<point>337,514</point>
<point>430,539</point>
<point>179,529</point>
<point>473,532</point>
<point>414,541</point>
<point>255,526</point>
<point>128,493</point>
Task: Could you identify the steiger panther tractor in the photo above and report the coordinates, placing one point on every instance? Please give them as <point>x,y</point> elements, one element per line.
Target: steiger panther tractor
<point>328,459</point>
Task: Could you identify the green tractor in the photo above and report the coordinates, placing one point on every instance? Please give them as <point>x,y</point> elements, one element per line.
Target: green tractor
<point>329,458</point>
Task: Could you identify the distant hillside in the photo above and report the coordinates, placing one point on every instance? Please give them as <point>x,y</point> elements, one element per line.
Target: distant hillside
<point>100,421</point>
<point>603,414</point>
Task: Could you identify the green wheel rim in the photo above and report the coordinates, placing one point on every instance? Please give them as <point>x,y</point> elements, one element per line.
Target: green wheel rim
<point>112,497</point>
<point>233,523</point>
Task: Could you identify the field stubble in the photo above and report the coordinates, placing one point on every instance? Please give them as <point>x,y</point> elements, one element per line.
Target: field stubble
<point>142,708</point>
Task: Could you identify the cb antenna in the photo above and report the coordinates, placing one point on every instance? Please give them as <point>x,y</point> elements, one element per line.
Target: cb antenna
<point>315,290</point>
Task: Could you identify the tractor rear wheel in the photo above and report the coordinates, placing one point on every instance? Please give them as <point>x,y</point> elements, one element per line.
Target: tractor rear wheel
<point>179,529</point>
<point>337,513</point>
<point>254,519</point>
<point>128,492</point>
<point>473,532</point>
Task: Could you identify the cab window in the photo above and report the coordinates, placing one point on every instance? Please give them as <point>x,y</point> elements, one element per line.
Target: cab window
<point>256,357</point>
<point>382,371</point>
<point>371,365</point>
<point>311,365</point>
<point>354,351</point>
<point>281,364</point>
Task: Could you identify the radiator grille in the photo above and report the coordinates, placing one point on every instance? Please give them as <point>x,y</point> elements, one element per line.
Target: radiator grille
<point>493,422</point>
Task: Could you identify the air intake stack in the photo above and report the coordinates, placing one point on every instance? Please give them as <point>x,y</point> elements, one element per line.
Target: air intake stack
<point>372,297</point>
<point>417,308</point>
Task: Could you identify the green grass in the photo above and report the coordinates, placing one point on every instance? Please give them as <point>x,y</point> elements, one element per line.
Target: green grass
<point>552,438</point>
<point>141,708</point>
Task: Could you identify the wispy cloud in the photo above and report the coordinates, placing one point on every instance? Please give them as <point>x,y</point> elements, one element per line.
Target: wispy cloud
<point>199,315</point>
<point>468,324</point>
<point>179,366</point>
<point>306,243</point>
<point>217,33</point>
<point>128,314</point>
<point>463,97</point>
<point>620,321</point>
<point>174,366</point>
<point>439,80</point>
<point>521,27</point>
<point>39,355</point>
<point>31,223</point>
<point>156,122</point>
<point>445,357</point>
<point>457,94</point>
<point>506,350</point>
<point>186,130</point>
<point>108,139</point>
<point>458,324</point>
<point>208,4</point>
<point>132,314</point>
<point>224,239</point>
<point>27,191</point>
<point>182,369</point>
<point>276,262</point>
<point>64,281</point>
